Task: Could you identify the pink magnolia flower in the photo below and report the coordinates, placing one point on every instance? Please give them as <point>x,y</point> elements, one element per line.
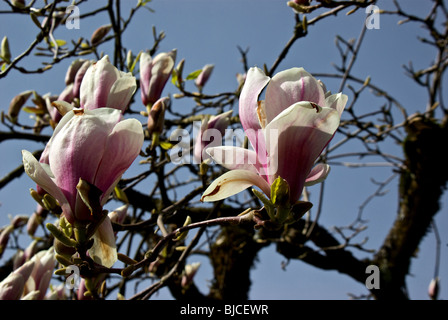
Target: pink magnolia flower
<point>103,85</point>
<point>94,145</point>
<point>154,73</point>
<point>210,135</point>
<point>288,131</point>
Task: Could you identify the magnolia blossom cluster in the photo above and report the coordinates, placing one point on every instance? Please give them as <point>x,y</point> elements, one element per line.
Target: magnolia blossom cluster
<point>93,145</point>
<point>288,131</point>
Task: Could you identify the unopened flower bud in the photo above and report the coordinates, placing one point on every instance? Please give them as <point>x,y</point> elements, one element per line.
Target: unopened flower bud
<point>17,103</point>
<point>119,214</point>
<point>189,273</point>
<point>299,6</point>
<point>203,77</point>
<point>210,135</point>
<point>33,223</point>
<point>433,289</point>
<point>154,73</point>
<point>4,238</point>
<point>99,34</point>
<point>19,221</point>
<point>156,117</point>
<point>18,3</point>
<point>130,60</point>
<point>72,70</point>
<point>5,53</point>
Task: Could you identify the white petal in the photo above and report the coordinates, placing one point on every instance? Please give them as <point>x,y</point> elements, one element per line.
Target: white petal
<point>38,174</point>
<point>233,182</point>
<point>121,92</point>
<point>318,174</point>
<point>104,250</point>
<point>234,157</point>
<point>336,101</point>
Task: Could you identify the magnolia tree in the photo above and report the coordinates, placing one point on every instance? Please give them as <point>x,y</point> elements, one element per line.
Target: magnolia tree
<point>228,176</point>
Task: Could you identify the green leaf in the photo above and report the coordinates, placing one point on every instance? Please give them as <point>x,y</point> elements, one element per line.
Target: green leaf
<point>174,77</point>
<point>166,145</point>
<point>137,58</point>
<point>193,75</point>
<point>59,43</point>
<point>33,110</point>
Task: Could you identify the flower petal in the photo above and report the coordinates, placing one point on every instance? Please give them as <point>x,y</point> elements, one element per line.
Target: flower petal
<point>290,86</point>
<point>121,92</point>
<point>38,174</point>
<point>233,182</point>
<point>104,250</point>
<point>96,84</point>
<point>303,132</point>
<point>336,101</point>
<point>233,158</point>
<point>77,148</point>
<point>318,174</point>
<point>256,80</point>
<point>121,148</point>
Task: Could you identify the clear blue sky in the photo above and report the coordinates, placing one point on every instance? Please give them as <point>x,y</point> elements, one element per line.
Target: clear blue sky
<point>209,31</point>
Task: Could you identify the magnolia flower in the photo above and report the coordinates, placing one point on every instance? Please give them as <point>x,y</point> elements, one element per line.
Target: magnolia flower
<point>94,145</point>
<point>288,131</point>
<point>103,85</point>
<point>154,73</point>
<point>210,134</point>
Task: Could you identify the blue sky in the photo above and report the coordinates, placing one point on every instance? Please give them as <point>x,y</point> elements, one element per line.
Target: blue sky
<point>208,32</point>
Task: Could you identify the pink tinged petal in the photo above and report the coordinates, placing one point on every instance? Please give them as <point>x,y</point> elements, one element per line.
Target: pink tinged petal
<point>66,94</point>
<point>318,174</point>
<point>233,182</point>
<point>220,121</point>
<point>121,148</point>
<point>203,77</point>
<point>290,86</point>
<point>96,84</point>
<point>38,174</point>
<point>162,67</point>
<point>79,77</point>
<point>78,146</point>
<point>234,158</point>
<point>121,92</point>
<point>119,214</point>
<point>255,82</point>
<point>72,70</point>
<point>336,101</point>
<point>104,250</point>
<point>145,75</point>
<point>210,135</point>
<point>303,132</point>
<point>200,144</point>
